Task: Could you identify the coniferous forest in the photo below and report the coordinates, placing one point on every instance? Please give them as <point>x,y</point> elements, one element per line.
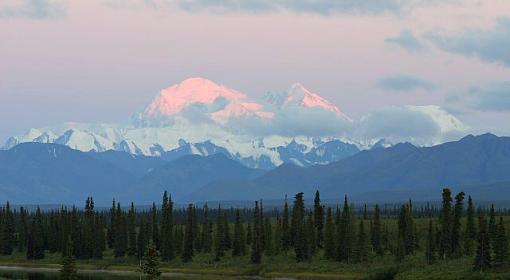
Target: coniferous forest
<point>455,239</point>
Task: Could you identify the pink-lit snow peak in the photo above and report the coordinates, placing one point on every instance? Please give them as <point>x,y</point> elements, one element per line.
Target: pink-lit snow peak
<point>174,99</point>
<point>301,96</point>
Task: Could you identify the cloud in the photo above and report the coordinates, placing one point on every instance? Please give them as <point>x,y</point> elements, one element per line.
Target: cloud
<point>295,121</point>
<point>421,125</point>
<point>494,96</point>
<point>35,9</point>
<point>406,40</point>
<point>323,7</point>
<point>489,45</point>
<point>404,83</point>
<point>320,7</point>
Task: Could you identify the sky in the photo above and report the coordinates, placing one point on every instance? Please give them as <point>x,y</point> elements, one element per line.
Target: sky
<point>104,60</point>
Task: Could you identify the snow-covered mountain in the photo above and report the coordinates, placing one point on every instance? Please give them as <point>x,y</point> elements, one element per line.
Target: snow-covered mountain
<point>200,117</point>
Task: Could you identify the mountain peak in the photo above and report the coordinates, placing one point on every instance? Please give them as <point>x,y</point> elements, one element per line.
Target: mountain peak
<point>300,95</point>
<point>217,100</point>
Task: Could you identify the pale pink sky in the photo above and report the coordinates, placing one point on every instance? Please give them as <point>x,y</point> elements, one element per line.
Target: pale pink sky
<point>99,60</point>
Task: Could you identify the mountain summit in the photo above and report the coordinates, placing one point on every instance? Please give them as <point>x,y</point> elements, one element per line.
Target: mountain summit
<point>202,95</point>
<point>299,95</point>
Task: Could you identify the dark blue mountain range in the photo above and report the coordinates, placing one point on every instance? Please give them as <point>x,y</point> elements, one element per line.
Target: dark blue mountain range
<point>50,173</point>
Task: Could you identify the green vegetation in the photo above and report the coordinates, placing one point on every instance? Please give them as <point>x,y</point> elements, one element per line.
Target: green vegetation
<point>404,242</point>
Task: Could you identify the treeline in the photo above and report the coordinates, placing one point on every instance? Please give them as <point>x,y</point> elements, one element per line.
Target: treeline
<point>342,233</point>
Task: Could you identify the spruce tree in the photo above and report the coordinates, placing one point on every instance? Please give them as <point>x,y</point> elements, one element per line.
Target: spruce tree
<point>311,236</point>
<point>268,237</point>
<point>483,254</point>
<point>142,240</point>
<point>178,239</point>
<point>167,249</point>
<point>239,244</point>
<point>219,236</point>
<point>329,236</point>
<point>227,242</point>
<point>187,251</point>
<point>430,249</point>
<point>120,241</point>
<point>445,241</point>
<point>111,227</point>
<point>7,231</point>
<point>150,264</point>
<point>154,227</point>
<point>256,248</point>
<point>249,234</point>
<point>456,225</point>
<point>286,238</point>
<point>501,247</point>
<point>277,236</point>
<point>298,228</point>
<point>470,230</point>
<point>345,235</point>
<point>132,242</point>
<point>68,270</point>
<point>35,243</point>
<point>98,237</point>
<point>318,217</point>
<point>361,244</point>
<point>22,229</point>
<point>492,230</point>
<point>206,238</point>
<point>376,232</point>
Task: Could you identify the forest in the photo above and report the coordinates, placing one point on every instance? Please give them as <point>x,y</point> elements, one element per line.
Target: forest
<point>450,240</point>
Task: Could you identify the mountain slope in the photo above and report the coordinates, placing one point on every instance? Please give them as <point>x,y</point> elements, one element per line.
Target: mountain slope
<point>474,160</point>
<point>188,173</point>
<point>50,173</point>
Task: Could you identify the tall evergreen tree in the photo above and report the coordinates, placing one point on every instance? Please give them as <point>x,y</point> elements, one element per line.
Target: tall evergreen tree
<point>7,231</point>
<point>483,254</point>
<point>318,217</point>
<point>249,234</point>
<point>361,244</point>
<point>311,236</point>
<point>22,229</point>
<point>120,242</point>
<point>167,244</point>
<point>150,264</point>
<point>329,236</point>
<point>256,246</point>
<point>35,243</point>
<point>155,227</point>
<point>68,270</point>
<point>219,236</point>
<point>430,249</point>
<point>268,237</point>
<point>375,232</point>
<point>206,238</point>
<point>142,240</point>
<point>501,253</point>
<point>456,225</point>
<point>493,228</point>
<point>345,235</point>
<point>132,242</point>
<point>470,230</point>
<point>445,241</point>
<point>286,238</point>
<point>111,227</point>
<point>298,228</point>
<point>239,244</point>
<point>227,242</point>
<point>187,251</point>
